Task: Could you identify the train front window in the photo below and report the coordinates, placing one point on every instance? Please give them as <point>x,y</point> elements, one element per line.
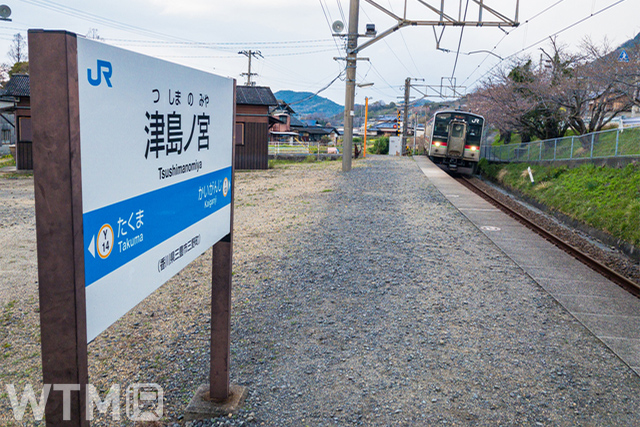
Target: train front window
<point>457,130</point>
<point>441,128</point>
<point>475,134</point>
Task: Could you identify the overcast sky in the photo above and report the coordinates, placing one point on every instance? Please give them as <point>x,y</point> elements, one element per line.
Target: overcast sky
<point>296,42</point>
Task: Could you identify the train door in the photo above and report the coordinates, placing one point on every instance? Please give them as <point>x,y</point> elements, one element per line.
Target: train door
<point>457,138</point>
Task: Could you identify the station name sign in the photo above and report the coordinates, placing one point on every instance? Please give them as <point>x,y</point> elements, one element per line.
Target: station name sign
<point>156,165</point>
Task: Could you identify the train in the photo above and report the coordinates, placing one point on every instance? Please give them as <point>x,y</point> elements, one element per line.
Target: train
<point>453,140</point>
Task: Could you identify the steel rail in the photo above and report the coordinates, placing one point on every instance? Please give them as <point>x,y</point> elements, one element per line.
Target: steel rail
<point>595,265</point>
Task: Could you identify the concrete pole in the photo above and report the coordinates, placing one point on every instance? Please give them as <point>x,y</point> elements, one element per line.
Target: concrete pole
<point>405,122</point>
<point>415,134</point>
<point>249,71</point>
<point>350,91</point>
<point>366,115</point>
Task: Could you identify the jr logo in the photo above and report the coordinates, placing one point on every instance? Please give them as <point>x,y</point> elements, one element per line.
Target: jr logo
<point>105,68</point>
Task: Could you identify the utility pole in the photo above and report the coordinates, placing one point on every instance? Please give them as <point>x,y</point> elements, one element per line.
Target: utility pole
<point>249,54</point>
<point>405,119</point>
<point>350,91</point>
<point>415,134</point>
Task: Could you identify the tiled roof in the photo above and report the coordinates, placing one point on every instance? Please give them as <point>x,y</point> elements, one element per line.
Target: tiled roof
<point>296,123</point>
<point>314,130</point>
<point>18,86</point>
<point>255,95</point>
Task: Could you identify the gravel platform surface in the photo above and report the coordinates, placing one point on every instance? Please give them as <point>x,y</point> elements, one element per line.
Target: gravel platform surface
<point>359,299</point>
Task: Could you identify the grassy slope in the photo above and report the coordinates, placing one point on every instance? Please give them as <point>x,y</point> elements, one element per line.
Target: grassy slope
<point>602,197</point>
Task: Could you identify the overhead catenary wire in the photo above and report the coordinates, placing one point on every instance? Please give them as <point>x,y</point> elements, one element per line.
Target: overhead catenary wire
<point>405,43</point>
<point>524,24</point>
<point>382,77</point>
<point>455,64</point>
<point>547,37</point>
<point>389,46</point>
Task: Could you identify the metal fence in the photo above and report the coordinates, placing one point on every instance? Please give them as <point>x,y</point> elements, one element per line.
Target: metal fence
<point>290,147</point>
<point>624,142</point>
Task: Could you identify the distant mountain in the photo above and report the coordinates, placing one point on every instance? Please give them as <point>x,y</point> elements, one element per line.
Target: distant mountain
<point>308,106</point>
<point>630,44</point>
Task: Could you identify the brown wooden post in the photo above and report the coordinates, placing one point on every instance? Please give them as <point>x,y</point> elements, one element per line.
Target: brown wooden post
<point>58,195</point>
<point>221,299</point>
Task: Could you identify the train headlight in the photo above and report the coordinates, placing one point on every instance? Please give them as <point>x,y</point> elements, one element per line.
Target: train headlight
<point>437,144</point>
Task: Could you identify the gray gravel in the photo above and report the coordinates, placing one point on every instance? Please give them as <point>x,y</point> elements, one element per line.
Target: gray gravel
<point>362,299</point>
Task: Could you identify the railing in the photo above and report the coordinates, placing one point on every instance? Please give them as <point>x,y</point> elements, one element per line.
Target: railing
<point>291,147</point>
<point>604,144</point>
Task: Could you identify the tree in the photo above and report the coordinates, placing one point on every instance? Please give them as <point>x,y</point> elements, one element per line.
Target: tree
<point>517,99</point>
<point>18,50</point>
<point>599,89</point>
<point>18,54</point>
<point>583,91</point>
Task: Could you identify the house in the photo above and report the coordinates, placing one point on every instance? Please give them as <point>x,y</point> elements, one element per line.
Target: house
<point>389,128</point>
<point>291,128</point>
<point>316,133</point>
<point>282,130</point>
<point>15,101</point>
<point>252,126</point>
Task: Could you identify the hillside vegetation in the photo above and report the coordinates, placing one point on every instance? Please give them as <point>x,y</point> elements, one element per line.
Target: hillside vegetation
<point>308,105</point>
<point>601,197</point>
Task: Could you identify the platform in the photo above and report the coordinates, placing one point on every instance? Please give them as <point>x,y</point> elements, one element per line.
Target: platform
<point>608,311</point>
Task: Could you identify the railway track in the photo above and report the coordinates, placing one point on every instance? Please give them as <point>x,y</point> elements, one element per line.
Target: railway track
<point>586,259</point>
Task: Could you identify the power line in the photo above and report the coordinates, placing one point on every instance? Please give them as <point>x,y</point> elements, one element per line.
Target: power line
<point>326,16</point>
<point>302,53</point>
<point>341,11</point>
<point>321,90</point>
<point>70,11</point>
<point>234,44</point>
<point>216,46</point>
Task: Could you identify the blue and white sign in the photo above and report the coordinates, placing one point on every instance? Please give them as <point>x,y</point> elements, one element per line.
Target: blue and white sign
<point>156,155</point>
<point>624,57</point>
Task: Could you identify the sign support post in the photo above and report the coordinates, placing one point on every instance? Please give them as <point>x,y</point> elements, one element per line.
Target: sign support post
<point>58,194</point>
<point>222,267</point>
<point>220,319</point>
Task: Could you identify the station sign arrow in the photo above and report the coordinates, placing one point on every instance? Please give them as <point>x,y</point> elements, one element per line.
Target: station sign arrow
<point>92,247</point>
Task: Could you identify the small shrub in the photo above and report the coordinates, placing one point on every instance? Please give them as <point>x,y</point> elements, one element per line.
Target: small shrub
<point>380,146</point>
